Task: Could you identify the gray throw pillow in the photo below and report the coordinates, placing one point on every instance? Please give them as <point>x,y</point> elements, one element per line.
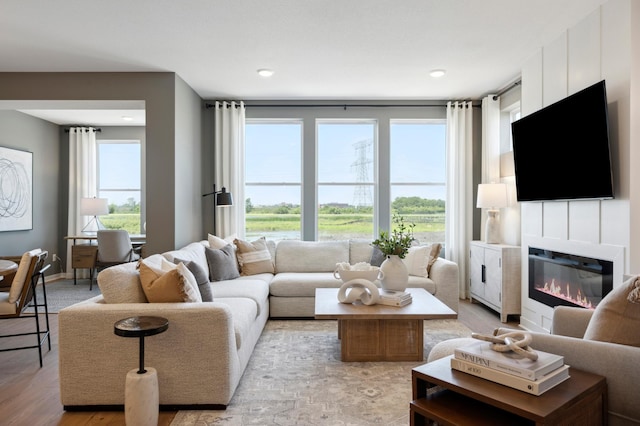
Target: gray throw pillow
<point>377,256</point>
<point>222,263</point>
<point>202,278</point>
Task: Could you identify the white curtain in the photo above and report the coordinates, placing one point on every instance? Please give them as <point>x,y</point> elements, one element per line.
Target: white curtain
<point>229,162</point>
<point>82,182</point>
<point>459,187</point>
<point>490,147</point>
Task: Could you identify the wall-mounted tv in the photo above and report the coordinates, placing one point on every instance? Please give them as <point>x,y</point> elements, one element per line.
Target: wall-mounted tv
<point>562,151</point>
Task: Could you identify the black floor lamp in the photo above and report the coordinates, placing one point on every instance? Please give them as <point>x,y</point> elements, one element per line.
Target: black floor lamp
<point>220,198</point>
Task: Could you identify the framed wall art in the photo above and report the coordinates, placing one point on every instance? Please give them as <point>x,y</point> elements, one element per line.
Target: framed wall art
<point>16,190</point>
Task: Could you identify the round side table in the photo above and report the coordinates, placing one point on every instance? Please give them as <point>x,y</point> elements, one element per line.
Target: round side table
<point>141,395</point>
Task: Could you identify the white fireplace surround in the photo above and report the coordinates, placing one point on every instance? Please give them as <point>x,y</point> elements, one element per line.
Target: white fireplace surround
<point>537,316</point>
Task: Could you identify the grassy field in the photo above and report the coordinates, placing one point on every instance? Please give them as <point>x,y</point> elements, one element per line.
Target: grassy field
<point>129,222</point>
<point>429,228</point>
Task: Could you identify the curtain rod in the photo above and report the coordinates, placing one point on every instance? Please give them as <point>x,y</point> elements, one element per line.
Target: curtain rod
<point>97,129</point>
<point>506,89</point>
<point>345,106</point>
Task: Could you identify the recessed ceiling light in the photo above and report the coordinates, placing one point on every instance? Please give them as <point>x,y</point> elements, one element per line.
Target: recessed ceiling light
<point>264,72</point>
<point>437,73</point>
<point>127,118</point>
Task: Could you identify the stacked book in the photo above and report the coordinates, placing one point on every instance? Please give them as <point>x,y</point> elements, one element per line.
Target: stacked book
<point>394,298</point>
<point>510,369</point>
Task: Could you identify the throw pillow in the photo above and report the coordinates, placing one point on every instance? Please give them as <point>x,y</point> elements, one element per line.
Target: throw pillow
<point>436,248</point>
<point>202,279</point>
<point>417,259</point>
<point>222,263</point>
<point>616,319</point>
<point>377,256</point>
<point>254,257</point>
<point>169,283</point>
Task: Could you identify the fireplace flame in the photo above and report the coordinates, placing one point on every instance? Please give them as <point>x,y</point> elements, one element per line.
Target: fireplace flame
<point>556,291</point>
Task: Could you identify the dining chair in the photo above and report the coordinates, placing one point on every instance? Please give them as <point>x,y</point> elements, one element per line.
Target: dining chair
<point>114,248</point>
<point>23,295</point>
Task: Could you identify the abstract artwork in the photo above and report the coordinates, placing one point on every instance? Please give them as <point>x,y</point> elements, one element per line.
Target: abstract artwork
<point>16,190</point>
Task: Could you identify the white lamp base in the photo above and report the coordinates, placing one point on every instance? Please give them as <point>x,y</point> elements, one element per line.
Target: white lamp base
<point>141,398</point>
<point>492,227</point>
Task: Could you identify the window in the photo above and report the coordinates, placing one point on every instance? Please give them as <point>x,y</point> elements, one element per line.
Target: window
<point>273,179</point>
<point>119,180</point>
<point>346,179</point>
<point>418,176</point>
<point>329,172</point>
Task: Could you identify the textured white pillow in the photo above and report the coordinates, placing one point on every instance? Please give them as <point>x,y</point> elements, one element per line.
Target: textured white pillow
<point>218,243</point>
<point>121,284</point>
<point>417,260</point>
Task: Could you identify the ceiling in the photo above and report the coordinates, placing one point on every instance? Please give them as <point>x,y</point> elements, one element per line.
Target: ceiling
<point>318,49</point>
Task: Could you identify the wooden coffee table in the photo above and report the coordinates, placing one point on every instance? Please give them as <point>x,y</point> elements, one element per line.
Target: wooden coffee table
<point>451,397</point>
<point>380,332</point>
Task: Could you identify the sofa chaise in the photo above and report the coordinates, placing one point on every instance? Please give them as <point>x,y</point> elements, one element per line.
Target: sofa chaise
<point>200,359</point>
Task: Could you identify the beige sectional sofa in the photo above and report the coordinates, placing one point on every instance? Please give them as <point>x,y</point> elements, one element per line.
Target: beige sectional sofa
<point>203,354</point>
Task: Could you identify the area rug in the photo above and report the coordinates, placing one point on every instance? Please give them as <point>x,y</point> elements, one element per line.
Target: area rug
<point>63,293</point>
<point>295,377</point>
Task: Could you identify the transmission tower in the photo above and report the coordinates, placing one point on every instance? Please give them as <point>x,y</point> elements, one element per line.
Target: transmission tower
<point>362,193</point>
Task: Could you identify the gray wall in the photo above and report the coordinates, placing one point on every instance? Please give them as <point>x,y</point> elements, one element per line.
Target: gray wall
<point>158,92</point>
<point>24,132</point>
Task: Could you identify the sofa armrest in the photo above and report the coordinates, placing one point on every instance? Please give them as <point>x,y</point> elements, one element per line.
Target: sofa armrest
<point>570,321</point>
<point>196,357</point>
<point>615,362</point>
<point>445,275</point>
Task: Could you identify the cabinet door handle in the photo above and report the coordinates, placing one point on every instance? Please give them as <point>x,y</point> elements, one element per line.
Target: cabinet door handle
<point>484,277</point>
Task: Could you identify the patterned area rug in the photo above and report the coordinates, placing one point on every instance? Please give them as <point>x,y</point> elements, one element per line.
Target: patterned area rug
<point>295,377</point>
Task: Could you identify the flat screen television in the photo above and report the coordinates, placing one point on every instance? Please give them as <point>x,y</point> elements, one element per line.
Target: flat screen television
<point>562,151</point>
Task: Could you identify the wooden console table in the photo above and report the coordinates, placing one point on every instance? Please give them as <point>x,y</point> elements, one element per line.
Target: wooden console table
<point>83,256</point>
<point>447,396</point>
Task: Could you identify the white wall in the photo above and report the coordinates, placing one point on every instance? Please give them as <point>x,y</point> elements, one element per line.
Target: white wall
<point>599,47</point>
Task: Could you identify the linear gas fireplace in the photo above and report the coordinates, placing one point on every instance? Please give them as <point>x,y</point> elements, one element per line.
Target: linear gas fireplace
<point>557,278</point>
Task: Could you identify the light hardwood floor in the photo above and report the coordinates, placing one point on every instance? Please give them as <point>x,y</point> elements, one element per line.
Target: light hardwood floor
<point>29,395</point>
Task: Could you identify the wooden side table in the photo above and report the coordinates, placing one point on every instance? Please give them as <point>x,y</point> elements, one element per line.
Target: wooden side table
<point>447,396</point>
<point>141,395</point>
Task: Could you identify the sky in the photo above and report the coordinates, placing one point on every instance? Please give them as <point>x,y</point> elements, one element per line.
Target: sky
<point>345,155</point>
<point>124,171</point>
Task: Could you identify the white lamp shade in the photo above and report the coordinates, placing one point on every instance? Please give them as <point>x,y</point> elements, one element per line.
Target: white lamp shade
<point>492,195</point>
<point>94,206</point>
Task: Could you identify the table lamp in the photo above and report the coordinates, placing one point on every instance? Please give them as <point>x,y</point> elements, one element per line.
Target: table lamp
<point>492,196</point>
<point>94,207</point>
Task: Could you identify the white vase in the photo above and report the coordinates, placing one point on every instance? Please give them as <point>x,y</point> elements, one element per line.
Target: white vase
<point>396,275</point>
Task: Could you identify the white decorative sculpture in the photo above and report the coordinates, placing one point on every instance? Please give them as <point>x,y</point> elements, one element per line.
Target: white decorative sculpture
<point>359,289</point>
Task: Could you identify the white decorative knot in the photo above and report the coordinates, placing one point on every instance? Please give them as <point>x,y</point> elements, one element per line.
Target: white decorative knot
<point>516,341</point>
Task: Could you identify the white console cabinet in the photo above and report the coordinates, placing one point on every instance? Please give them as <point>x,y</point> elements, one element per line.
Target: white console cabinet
<point>495,277</point>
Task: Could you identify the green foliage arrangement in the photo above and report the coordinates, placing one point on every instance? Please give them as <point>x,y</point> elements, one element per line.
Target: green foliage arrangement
<point>399,240</point>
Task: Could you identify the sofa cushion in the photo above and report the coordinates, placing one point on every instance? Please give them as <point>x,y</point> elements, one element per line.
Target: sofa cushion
<point>377,256</point>
<point>222,263</point>
<point>251,287</point>
<point>168,283</point>
<point>293,284</point>
<point>310,256</point>
<point>616,319</point>
<point>253,257</point>
<point>201,276</point>
<point>436,248</point>
<point>419,259</point>
<point>121,284</point>
<point>245,312</point>
<point>360,251</point>
<point>192,251</point>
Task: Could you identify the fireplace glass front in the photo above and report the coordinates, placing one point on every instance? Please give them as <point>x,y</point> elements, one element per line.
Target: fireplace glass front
<point>557,278</point>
